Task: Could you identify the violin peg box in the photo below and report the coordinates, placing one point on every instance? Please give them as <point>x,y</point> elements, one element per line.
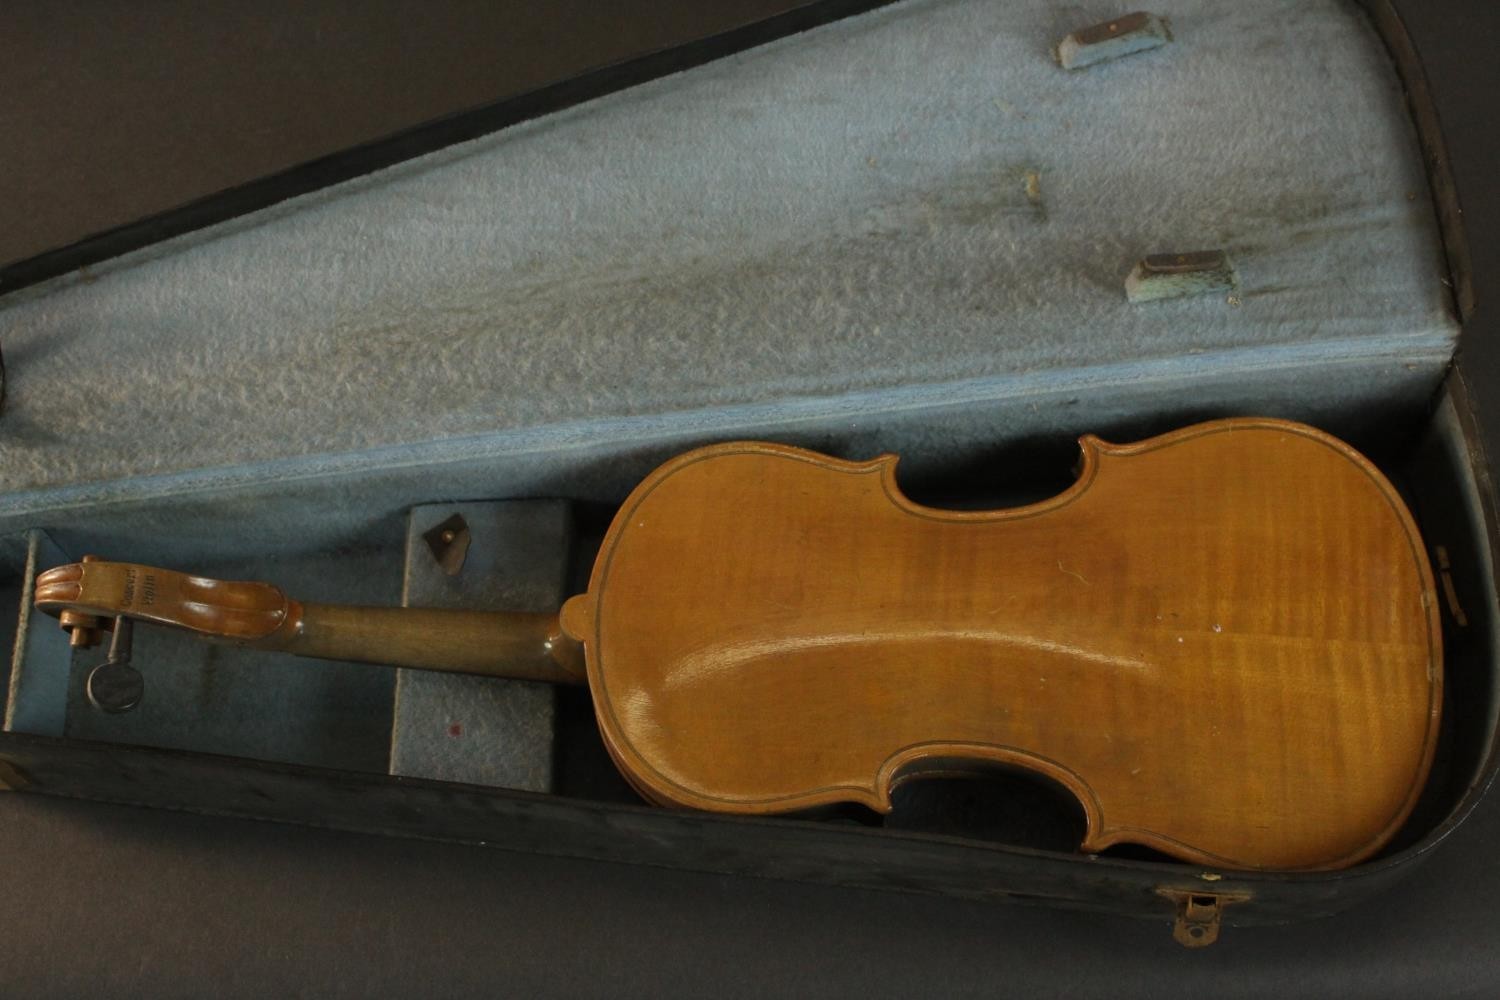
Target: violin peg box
<point>439,384</point>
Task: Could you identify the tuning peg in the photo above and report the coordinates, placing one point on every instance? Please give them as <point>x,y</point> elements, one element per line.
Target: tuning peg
<point>115,686</point>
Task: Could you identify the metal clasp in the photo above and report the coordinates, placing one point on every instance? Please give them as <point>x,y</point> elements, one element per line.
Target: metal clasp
<point>1199,914</point>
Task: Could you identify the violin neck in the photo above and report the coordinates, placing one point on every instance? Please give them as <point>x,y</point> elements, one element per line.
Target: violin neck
<point>87,595</point>
<point>516,645</point>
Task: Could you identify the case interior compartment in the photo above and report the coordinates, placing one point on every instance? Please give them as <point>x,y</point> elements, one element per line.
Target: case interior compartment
<point>512,734</point>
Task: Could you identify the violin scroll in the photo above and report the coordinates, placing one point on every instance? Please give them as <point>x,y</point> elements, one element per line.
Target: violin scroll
<point>87,596</point>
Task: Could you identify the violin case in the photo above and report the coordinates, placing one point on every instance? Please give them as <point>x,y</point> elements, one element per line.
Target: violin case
<point>902,231</point>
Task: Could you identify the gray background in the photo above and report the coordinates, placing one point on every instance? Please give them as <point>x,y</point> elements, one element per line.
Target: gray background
<point>127,902</point>
<point>116,112</point>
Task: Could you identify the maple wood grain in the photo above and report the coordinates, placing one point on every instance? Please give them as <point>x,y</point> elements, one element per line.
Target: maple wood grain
<point>1223,641</point>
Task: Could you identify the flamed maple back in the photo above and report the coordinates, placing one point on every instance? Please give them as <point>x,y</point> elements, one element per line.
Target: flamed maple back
<point>1223,641</point>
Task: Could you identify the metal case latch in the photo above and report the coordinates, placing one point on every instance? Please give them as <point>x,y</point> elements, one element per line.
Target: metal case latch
<point>1199,914</point>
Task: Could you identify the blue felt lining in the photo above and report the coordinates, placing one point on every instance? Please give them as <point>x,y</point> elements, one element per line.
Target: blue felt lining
<point>905,232</point>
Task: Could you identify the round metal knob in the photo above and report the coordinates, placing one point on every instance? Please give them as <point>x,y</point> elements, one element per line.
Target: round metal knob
<point>115,687</point>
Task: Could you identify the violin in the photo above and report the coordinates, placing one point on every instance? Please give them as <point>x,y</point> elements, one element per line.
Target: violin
<point>1223,641</point>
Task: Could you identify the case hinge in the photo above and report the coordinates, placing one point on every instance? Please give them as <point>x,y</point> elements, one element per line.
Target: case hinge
<point>1199,914</point>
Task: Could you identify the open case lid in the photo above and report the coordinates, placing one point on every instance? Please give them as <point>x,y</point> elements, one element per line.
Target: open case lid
<point>826,240</point>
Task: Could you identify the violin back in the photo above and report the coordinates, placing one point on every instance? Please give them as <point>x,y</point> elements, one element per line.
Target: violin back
<point>1223,641</point>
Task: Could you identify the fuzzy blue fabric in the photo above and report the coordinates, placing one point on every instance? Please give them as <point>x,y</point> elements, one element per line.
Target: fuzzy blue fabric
<point>810,241</point>
<point>907,232</point>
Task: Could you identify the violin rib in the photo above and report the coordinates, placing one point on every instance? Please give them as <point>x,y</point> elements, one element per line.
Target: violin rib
<point>1223,641</point>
